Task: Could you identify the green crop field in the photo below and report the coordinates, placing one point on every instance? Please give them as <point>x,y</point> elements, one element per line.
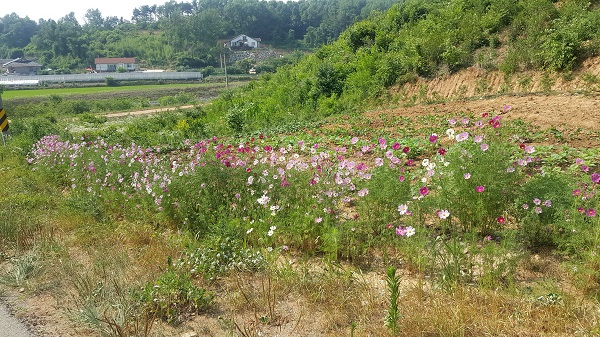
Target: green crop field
<point>25,93</point>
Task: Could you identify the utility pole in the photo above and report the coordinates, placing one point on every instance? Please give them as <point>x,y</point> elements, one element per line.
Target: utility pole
<point>225,63</point>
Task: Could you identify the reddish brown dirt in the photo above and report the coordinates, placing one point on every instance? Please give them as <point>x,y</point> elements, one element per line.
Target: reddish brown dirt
<point>569,104</point>
<point>567,113</point>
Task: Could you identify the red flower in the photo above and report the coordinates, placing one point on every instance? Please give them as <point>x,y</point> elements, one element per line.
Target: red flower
<point>501,220</point>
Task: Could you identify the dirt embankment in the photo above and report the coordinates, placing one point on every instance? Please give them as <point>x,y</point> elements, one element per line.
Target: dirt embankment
<point>568,103</point>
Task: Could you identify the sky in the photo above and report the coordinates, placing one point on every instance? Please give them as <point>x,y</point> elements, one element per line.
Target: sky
<point>56,9</point>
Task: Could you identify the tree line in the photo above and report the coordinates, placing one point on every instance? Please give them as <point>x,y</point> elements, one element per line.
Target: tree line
<point>178,34</point>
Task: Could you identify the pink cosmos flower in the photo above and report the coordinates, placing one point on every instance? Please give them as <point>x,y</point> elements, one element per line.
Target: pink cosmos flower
<point>501,220</point>
<point>433,138</point>
<point>443,214</point>
<point>595,177</point>
<point>529,149</point>
<point>403,209</point>
<point>462,136</point>
<point>382,143</point>
<point>590,212</point>
<point>479,189</point>
<point>424,191</point>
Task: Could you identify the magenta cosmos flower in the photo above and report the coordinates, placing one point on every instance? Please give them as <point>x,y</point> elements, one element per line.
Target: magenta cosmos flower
<point>424,191</point>
<point>479,189</point>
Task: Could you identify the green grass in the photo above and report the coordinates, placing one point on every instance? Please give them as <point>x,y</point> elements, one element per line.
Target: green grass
<point>12,94</point>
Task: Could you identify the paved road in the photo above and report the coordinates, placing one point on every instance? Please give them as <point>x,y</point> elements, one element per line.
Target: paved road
<point>10,326</point>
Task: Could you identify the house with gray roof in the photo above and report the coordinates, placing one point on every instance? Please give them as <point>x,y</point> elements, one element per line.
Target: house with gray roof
<point>243,41</point>
<point>20,66</point>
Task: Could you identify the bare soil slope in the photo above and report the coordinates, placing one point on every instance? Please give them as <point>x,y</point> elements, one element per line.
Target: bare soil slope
<point>545,100</point>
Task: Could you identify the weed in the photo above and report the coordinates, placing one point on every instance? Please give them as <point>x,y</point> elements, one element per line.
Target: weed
<point>546,82</point>
<point>220,257</point>
<point>525,83</point>
<point>173,297</point>
<point>393,314</point>
<point>22,269</point>
<point>482,86</point>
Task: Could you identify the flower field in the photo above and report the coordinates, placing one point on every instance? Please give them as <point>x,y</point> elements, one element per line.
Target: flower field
<point>455,208</point>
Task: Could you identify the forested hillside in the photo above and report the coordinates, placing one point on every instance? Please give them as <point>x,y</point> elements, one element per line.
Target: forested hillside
<point>178,34</point>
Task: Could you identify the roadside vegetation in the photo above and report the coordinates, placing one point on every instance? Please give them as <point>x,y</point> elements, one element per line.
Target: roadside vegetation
<point>282,208</point>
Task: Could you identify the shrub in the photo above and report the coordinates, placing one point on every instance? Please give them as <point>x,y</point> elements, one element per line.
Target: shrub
<point>220,256</point>
<point>111,82</point>
<point>173,297</point>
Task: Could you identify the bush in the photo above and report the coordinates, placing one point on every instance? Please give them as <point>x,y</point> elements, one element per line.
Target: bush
<point>111,82</point>
<point>173,297</point>
<point>220,256</point>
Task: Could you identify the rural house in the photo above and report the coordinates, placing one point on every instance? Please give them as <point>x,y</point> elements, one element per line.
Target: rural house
<point>20,66</point>
<point>112,64</point>
<point>243,41</point>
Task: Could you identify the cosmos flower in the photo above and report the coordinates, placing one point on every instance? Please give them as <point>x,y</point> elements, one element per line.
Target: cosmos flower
<point>443,214</point>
